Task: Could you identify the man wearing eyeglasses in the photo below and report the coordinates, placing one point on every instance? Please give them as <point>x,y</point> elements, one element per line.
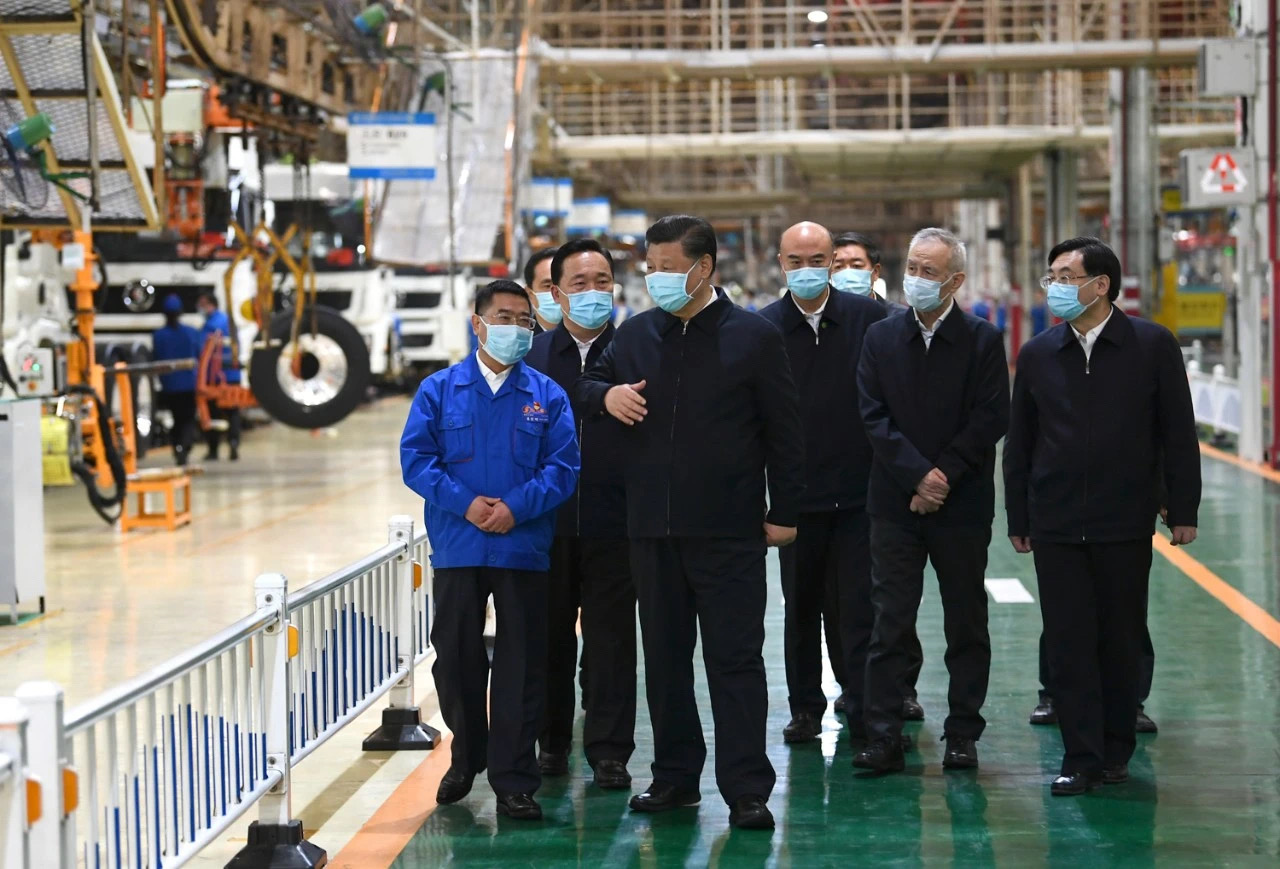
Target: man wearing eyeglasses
<point>1102,439</point>
<point>490,446</point>
<point>934,396</point>
<point>590,558</point>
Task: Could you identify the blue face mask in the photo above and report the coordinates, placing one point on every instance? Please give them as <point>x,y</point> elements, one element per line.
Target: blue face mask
<point>548,309</point>
<point>1064,300</point>
<point>808,282</point>
<point>590,309</point>
<point>667,289</point>
<point>923,294</point>
<point>852,281</point>
<point>507,344</point>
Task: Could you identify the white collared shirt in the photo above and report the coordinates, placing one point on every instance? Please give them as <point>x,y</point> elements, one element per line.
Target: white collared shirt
<point>711,301</point>
<point>1088,339</point>
<point>815,319</point>
<point>584,347</point>
<point>494,379</point>
<point>927,332</point>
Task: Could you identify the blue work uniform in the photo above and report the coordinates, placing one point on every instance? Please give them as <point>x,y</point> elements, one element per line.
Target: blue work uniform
<point>462,440</point>
<point>176,342</point>
<point>219,322</point>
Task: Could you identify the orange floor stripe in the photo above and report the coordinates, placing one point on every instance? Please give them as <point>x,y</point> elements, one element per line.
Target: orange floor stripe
<point>1229,596</point>
<point>1262,470</point>
<point>377,844</point>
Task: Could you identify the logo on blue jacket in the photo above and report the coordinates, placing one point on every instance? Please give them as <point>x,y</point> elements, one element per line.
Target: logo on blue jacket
<point>535,413</point>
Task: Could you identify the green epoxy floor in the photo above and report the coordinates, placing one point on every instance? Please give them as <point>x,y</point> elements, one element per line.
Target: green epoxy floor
<point>1204,792</point>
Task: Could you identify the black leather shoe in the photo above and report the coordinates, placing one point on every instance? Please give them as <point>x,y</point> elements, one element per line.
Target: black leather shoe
<point>661,797</point>
<point>907,744</point>
<point>1145,724</point>
<point>521,807</point>
<point>750,813</point>
<point>961,753</point>
<point>1044,713</point>
<point>1073,784</point>
<point>454,786</point>
<point>611,775</point>
<point>1115,775</point>
<point>840,707</point>
<point>882,756</point>
<point>804,727</point>
<point>553,763</point>
<point>912,710</point>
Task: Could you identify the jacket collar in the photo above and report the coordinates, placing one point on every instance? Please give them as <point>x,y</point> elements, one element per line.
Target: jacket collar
<point>562,339</point>
<point>793,317</point>
<point>1117,329</point>
<point>469,373</point>
<point>948,330</point>
<point>707,319</point>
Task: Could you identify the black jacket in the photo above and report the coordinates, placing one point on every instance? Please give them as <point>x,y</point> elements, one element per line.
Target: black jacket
<point>1093,444</point>
<point>599,506</point>
<point>837,454</point>
<point>945,408</point>
<point>722,408</point>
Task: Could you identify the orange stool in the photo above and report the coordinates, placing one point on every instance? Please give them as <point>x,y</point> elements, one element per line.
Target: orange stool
<point>170,484</point>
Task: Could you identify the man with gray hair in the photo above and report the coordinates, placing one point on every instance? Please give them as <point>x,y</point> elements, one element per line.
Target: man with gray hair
<point>934,396</point>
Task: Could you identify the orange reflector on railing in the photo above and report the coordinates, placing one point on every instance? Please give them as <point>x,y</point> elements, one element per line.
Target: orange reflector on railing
<point>417,574</point>
<point>293,642</point>
<point>33,801</point>
<point>70,791</point>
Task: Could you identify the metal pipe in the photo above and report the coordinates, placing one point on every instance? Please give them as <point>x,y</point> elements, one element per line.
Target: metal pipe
<point>339,578</point>
<point>618,64</point>
<point>1272,212</point>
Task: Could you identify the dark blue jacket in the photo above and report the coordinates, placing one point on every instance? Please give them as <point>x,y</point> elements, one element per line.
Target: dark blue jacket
<point>837,454</point>
<point>1092,444</point>
<point>722,408</point>
<point>218,322</point>
<point>176,342</point>
<point>462,440</point>
<point>945,408</point>
<point>599,506</point>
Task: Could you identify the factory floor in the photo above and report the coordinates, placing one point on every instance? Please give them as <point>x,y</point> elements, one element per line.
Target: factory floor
<point>1205,791</point>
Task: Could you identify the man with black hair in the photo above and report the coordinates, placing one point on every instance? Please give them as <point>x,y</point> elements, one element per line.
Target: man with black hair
<point>174,341</point>
<point>705,392</point>
<point>1102,440</point>
<point>590,558</point>
<point>489,445</point>
<point>217,325</point>
<point>537,283</point>
<point>855,268</point>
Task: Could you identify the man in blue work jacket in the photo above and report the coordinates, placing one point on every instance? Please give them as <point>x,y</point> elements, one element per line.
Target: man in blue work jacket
<point>174,341</point>
<point>490,446</point>
<point>217,323</point>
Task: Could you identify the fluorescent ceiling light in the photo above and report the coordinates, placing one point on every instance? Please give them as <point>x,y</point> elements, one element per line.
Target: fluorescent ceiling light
<point>817,16</point>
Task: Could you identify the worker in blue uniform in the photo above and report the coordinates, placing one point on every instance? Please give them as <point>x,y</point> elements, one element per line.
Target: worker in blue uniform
<point>490,446</point>
<point>704,389</point>
<point>590,558</point>
<point>171,342</point>
<point>1102,439</point>
<point>823,330</point>
<point>218,325</point>
<point>856,269</point>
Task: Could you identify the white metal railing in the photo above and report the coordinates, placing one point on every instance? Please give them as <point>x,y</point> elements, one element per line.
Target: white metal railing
<point>154,770</point>
<point>16,788</point>
<point>1216,398</point>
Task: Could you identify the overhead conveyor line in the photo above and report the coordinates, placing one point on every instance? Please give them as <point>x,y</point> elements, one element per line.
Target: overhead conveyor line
<point>596,65</point>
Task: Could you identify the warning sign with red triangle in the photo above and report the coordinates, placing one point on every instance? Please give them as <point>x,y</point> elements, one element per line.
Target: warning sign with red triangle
<point>1223,175</point>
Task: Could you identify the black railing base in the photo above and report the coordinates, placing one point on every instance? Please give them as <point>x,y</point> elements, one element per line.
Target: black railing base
<point>402,730</point>
<point>279,846</point>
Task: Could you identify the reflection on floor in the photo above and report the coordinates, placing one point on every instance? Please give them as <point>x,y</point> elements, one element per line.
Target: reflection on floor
<point>1204,792</point>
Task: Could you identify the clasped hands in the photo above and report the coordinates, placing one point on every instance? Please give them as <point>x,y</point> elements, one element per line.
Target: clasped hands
<point>491,515</point>
<point>931,493</point>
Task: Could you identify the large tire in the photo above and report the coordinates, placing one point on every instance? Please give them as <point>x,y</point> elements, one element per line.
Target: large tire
<point>334,376</point>
<point>144,402</point>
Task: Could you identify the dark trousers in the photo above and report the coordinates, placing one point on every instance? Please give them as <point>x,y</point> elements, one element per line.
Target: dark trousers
<point>183,407</point>
<point>594,574</point>
<point>898,557</point>
<point>1093,601</point>
<point>717,584</point>
<point>1146,668</point>
<point>213,437</point>
<point>501,741</point>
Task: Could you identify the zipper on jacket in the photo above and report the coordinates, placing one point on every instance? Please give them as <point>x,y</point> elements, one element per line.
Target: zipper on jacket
<point>1088,439</point>
<point>675,402</point>
<point>577,513</point>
